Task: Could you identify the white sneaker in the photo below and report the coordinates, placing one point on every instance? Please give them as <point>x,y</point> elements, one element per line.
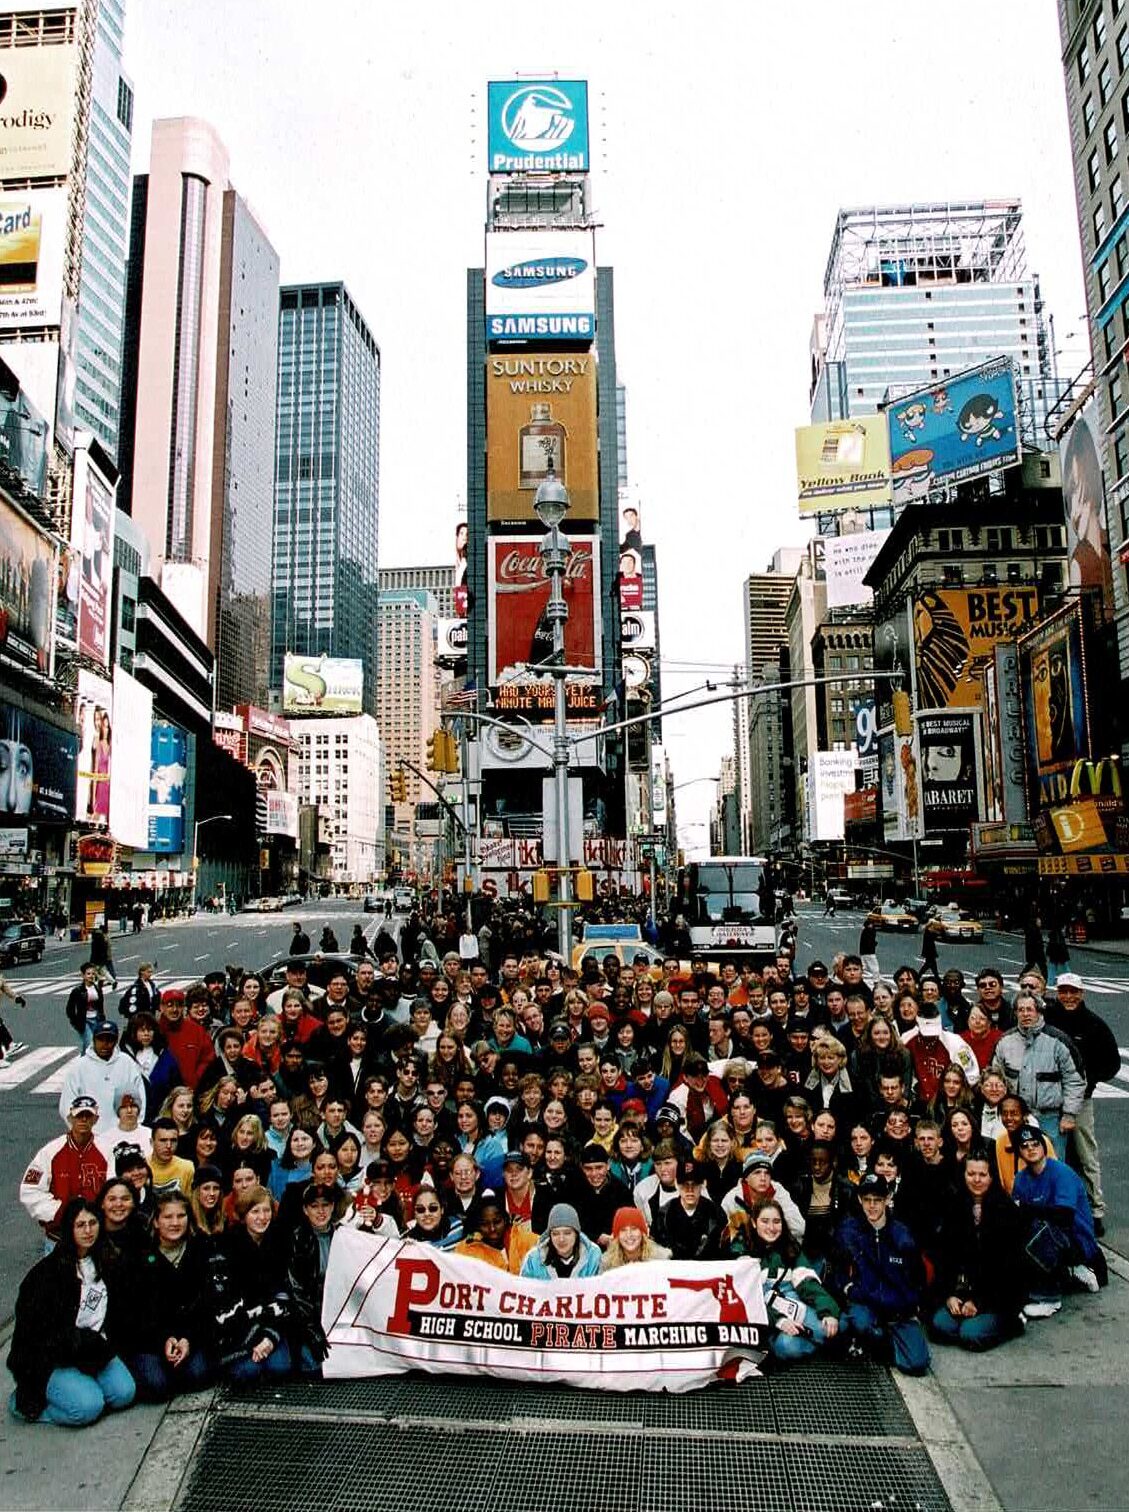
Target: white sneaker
<point>17,1047</point>
<point>1081,1273</point>
<point>1041,1309</point>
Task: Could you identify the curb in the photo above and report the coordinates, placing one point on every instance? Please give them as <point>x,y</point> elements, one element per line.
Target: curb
<point>961,1475</point>
<point>168,1457</point>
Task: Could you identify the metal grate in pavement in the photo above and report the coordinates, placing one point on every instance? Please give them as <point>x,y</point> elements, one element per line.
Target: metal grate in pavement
<point>855,1400</point>
<point>855,1478</point>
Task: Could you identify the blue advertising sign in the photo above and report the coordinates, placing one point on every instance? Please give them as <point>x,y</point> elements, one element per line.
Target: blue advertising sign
<point>38,769</point>
<point>959,429</point>
<point>539,127</point>
<point>168,769</point>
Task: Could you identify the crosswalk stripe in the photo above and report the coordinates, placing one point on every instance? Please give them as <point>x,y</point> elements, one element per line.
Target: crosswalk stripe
<point>29,1065</point>
<point>54,1082</point>
<point>1108,1090</point>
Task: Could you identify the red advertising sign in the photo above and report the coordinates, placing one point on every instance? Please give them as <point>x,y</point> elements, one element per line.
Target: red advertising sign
<point>519,630</point>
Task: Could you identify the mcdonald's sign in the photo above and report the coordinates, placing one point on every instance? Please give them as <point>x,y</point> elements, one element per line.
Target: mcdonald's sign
<point>1097,779</point>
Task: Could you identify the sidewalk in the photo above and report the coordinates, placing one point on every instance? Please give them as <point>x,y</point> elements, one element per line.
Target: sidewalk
<point>1043,1415</point>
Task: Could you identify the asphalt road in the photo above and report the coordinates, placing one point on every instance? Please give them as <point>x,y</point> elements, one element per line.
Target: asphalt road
<point>182,951</point>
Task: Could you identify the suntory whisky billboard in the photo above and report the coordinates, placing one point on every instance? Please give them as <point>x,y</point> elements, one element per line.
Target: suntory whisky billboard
<point>540,405</point>
<point>37,89</point>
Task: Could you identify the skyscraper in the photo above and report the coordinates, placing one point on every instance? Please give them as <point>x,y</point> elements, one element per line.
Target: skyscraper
<point>197,431</point>
<point>407,685</point>
<point>101,299</point>
<point>327,482</point>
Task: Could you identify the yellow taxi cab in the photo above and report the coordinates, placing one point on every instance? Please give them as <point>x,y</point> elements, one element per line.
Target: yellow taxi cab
<point>891,916</point>
<point>624,941</point>
<point>955,924</point>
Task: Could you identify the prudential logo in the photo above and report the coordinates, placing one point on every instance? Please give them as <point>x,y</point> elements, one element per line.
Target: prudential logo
<point>539,126</point>
<point>538,118</point>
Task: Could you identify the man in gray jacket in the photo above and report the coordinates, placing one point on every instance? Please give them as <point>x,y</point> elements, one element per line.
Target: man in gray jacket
<point>1040,1064</point>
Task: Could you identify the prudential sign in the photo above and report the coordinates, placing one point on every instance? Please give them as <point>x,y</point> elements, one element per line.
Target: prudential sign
<point>538,127</point>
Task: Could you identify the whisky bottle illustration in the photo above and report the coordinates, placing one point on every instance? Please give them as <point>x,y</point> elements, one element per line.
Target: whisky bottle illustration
<point>541,439</point>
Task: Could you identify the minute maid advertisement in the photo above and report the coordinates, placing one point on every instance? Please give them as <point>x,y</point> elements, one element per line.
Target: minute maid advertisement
<point>537,127</point>
<point>955,430</point>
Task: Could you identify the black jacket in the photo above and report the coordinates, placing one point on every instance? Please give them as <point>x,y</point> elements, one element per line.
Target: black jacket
<point>45,1336</point>
<point>166,1301</point>
<point>689,1236</point>
<point>307,1283</point>
<point>597,1209</point>
<point>76,1006</point>
<point>248,1291</point>
<point>1092,1037</point>
<point>982,1263</point>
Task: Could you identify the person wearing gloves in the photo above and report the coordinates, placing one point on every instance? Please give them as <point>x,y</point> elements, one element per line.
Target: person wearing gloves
<point>631,1241</point>
<point>562,1251</point>
<point>65,1168</point>
<point>1041,1065</point>
<point>932,1047</point>
<point>103,1073</point>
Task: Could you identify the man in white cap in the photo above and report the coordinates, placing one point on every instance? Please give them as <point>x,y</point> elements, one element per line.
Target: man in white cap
<point>67,1167</point>
<point>103,1073</point>
<point>1101,1060</point>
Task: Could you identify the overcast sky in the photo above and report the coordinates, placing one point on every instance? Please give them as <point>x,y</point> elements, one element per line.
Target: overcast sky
<point>726,136</point>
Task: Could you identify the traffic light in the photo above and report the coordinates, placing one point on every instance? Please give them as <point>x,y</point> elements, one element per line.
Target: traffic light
<point>540,887</point>
<point>584,885</point>
<point>398,785</point>
<point>435,750</point>
<point>903,724</point>
<point>450,752</point>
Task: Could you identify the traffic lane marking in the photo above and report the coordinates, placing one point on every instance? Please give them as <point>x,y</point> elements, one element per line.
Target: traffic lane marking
<point>34,1061</point>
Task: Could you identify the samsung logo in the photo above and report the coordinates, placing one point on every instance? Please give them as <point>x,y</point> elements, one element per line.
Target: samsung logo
<point>498,327</point>
<point>535,275</point>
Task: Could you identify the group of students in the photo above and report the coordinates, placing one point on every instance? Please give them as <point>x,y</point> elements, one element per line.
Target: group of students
<point>898,1156</point>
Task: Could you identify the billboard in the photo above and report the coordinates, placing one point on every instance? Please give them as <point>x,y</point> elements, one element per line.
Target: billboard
<point>831,776</point>
<point>168,773</point>
<point>955,633</point>
<point>864,715</point>
<point>892,656</point>
<point>24,433</point>
<point>92,556</point>
<point>35,365</point>
<point>94,717</point>
<point>541,406</point>
<point>1087,536</point>
<point>843,464</point>
<point>451,640</point>
<point>630,580</point>
<point>540,284</point>
<point>846,561</point>
<point>518,590</point>
<point>1056,704</point>
<point>33,229</point>
<point>637,628</point>
<point>537,127</point>
<point>38,765</point>
<point>955,430</point>
<point>950,789</point>
<point>230,734</point>
<point>1005,776</point>
<point>322,684</point>
<point>282,813</point>
<point>900,787</point>
<point>37,87</point>
<point>129,791</point>
<point>27,591</point>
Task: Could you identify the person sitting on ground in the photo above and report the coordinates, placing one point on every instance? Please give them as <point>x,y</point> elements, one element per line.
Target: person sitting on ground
<point>562,1251</point>
<point>631,1241</point>
<point>802,1314</point>
<point>979,1262</point>
<point>879,1274</point>
<point>1061,1246</point>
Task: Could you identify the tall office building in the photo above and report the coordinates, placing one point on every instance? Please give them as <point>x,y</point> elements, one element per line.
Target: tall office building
<point>439,582</point>
<point>915,293</point>
<point>341,773</point>
<point>101,297</point>
<point>407,683</point>
<point>1095,58</point>
<point>759,722</point>
<point>197,429</point>
<point>327,482</point>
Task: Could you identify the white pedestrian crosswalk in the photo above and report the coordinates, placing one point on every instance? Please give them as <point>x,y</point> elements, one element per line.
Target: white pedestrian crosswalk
<point>44,987</point>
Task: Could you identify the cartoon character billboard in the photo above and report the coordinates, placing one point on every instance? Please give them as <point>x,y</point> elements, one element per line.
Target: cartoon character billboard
<point>956,430</point>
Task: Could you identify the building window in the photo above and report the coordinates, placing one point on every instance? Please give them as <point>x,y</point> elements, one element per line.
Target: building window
<point>1122,256</point>
<point>1083,63</point>
<point>1116,395</point>
<point>1099,30</point>
<point>125,104</point>
<point>1093,173</point>
<point>1105,281</point>
<point>1121,453</point>
<point>1123,49</point>
<point>1110,135</point>
<point>1116,196</point>
<point>1099,224</point>
<point>1105,83</point>
<point>1089,114</point>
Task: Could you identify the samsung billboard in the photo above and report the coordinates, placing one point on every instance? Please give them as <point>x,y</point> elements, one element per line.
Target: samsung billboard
<point>540,284</point>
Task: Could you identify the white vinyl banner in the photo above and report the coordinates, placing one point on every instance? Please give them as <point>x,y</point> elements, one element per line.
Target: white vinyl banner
<point>393,1305</point>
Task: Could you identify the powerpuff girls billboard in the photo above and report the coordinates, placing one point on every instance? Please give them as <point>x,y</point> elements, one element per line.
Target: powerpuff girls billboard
<point>959,429</point>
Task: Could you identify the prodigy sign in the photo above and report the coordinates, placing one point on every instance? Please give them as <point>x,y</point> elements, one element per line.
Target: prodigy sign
<point>539,127</point>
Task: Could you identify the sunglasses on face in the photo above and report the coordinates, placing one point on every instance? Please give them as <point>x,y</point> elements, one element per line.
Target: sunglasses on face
<point>428,1207</point>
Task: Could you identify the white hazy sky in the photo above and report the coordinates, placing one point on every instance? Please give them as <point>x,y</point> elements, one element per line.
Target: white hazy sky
<point>726,136</point>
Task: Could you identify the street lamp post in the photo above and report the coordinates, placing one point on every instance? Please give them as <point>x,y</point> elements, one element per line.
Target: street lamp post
<point>551,503</point>
<point>196,828</point>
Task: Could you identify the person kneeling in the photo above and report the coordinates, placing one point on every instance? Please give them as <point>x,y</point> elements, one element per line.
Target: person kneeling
<point>803,1315</point>
<point>881,1277</point>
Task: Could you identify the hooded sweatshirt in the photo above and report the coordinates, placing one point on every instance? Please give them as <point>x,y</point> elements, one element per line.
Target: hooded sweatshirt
<point>104,1080</point>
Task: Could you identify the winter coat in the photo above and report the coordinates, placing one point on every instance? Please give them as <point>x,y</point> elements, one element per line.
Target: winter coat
<point>740,1200</point>
<point>596,1209</point>
<point>104,1081</point>
<point>1039,1064</point>
<point>982,1262</point>
<point>798,1276</point>
<point>1058,1192</point>
<point>1092,1037</point>
<point>690,1236</point>
<point>536,1267</point>
<point>879,1268</point>
<point>46,1338</point>
<point>191,1047</point>
<point>77,1004</point>
<point>59,1171</point>
<point>166,1301</point>
<point>248,1295</point>
<point>140,997</point>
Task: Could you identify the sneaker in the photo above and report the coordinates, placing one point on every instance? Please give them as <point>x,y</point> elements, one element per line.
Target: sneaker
<point>17,1047</point>
<point>1041,1309</point>
<point>1085,1277</point>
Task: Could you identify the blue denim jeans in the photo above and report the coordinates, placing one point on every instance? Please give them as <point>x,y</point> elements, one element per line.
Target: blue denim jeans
<point>75,1399</point>
<point>905,1337</point>
<point>244,1371</point>
<point>984,1331</point>
<point>796,1346</point>
<point>157,1380</point>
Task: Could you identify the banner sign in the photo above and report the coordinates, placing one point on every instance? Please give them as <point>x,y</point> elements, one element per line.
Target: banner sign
<point>1083,866</point>
<point>33,233</point>
<point>27,591</point>
<point>168,773</point>
<point>391,1305</point>
<point>539,284</point>
<point>38,768</point>
<point>1056,705</point>
<point>846,561</point>
<point>949,787</point>
<point>519,631</point>
<point>541,409</point>
<point>958,429</point>
<point>1083,488</point>
<point>94,717</point>
<point>843,464</point>
<point>92,545</point>
<point>322,684</point>
<point>37,87</point>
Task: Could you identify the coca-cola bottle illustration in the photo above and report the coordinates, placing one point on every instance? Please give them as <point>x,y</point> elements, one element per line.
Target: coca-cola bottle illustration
<point>541,646</point>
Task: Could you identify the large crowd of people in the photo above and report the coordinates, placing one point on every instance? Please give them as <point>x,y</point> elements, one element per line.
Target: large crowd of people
<point>908,1159</point>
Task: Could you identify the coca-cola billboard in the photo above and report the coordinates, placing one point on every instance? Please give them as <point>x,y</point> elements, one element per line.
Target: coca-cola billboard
<point>520,633</point>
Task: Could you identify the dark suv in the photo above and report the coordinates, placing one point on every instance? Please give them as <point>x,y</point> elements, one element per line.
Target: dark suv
<point>21,942</point>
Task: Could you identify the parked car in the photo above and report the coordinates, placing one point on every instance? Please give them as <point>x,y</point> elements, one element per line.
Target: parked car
<point>891,916</point>
<point>21,942</point>
<point>955,924</point>
<point>318,968</point>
